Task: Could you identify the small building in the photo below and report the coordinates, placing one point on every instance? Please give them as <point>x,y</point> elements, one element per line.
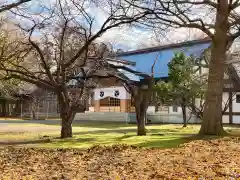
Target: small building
<point>112,98</point>
<point>110,101</point>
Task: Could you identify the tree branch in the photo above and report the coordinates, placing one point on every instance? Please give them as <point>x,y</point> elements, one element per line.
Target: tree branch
<point>118,21</point>
<point>44,65</point>
<point>203,2</point>
<point>29,80</point>
<point>12,5</point>
<point>235,5</point>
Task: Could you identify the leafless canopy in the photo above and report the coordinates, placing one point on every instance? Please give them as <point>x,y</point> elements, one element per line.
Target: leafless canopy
<point>199,14</point>
<point>8,6</point>
<point>62,36</point>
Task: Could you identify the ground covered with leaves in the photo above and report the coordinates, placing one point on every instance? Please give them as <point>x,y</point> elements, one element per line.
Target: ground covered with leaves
<point>201,159</point>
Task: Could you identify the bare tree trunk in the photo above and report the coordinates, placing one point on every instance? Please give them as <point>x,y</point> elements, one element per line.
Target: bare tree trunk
<point>34,110</point>
<point>66,130</point>
<point>141,100</point>
<point>33,114</point>
<point>140,115</point>
<point>34,105</point>
<point>212,116</point>
<point>184,115</point>
<point>67,116</point>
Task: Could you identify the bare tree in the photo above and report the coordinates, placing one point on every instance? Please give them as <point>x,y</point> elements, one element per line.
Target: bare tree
<point>60,43</point>
<point>217,19</point>
<point>140,91</point>
<point>9,42</point>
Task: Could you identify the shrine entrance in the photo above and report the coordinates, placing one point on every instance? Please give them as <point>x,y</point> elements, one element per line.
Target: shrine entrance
<point>111,99</point>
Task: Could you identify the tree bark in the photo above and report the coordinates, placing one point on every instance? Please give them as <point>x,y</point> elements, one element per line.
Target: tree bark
<point>141,130</point>
<point>184,115</point>
<point>66,114</point>
<point>66,130</point>
<point>212,115</point>
<point>141,100</point>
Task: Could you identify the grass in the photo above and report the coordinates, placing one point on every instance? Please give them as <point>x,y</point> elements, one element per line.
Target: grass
<point>88,134</point>
<point>164,136</point>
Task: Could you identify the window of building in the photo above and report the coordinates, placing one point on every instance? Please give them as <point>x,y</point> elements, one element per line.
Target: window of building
<point>175,109</point>
<point>114,102</point>
<point>238,98</point>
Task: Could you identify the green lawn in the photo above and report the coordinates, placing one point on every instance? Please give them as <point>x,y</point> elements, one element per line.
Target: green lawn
<point>158,136</point>
<point>95,133</point>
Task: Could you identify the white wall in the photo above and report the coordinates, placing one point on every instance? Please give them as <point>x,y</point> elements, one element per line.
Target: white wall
<point>225,119</point>
<point>225,99</point>
<point>236,119</point>
<point>151,109</point>
<point>236,106</point>
<point>179,110</point>
<point>109,92</point>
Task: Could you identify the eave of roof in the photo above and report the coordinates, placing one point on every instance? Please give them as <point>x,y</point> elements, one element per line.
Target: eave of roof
<point>114,59</point>
<point>164,47</point>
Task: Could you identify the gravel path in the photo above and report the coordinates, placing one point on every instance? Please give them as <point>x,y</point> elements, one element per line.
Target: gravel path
<point>27,126</point>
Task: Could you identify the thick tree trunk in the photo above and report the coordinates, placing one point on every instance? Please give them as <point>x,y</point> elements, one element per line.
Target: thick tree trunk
<point>141,108</point>
<point>67,116</point>
<point>140,116</point>
<point>141,100</point>
<point>141,130</point>
<point>67,119</point>
<point>184,115</point>
<point>212,116</point>
<point>66,130</point>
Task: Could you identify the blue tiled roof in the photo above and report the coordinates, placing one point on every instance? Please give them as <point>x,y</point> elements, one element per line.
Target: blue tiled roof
<point>129,75</point>
<point>145,58</point>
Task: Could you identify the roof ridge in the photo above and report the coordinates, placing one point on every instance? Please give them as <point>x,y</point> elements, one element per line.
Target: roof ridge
<point>163,47</point>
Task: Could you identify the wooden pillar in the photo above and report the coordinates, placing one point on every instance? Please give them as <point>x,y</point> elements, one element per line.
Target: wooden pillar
<point>230,107</point>
<point>96,105</point>
<point>123,105</point>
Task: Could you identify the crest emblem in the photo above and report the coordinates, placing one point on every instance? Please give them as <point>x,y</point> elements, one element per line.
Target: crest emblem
<point>101,93</point>
<point>116,93</point>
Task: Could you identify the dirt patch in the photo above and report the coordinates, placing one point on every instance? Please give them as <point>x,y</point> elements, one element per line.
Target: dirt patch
<point>213,159</point>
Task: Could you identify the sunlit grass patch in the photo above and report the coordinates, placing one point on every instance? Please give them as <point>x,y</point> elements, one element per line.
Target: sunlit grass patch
<point>88,134</point>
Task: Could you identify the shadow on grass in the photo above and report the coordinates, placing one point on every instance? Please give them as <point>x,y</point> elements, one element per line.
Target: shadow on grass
<point>174,142</point>
<point>86,142</point>
<point>134,130</point>
<point>116,133</point>
<point>166,143</point>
